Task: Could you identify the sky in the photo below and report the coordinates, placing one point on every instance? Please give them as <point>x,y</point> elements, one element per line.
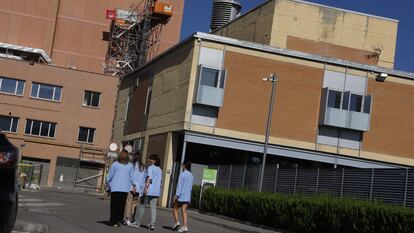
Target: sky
<point>197,14</point>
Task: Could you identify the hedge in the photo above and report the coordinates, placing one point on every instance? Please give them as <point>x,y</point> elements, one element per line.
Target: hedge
<point>195,197</point>
<point>318,214</point>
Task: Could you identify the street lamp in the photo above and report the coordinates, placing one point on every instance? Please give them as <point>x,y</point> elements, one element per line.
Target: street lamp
<point>272,78</point>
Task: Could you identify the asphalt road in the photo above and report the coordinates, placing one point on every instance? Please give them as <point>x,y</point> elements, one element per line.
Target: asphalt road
<point>79,213</point>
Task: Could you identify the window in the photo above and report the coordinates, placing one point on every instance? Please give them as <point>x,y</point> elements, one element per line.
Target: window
<point>334,99</point>
<point>148,102</point>
<point>86,134</point>
<point>40,128</point>
<point>212,77</point>
<point>47,92</point>
<point>356,103</point>
<point>8,124</point>
<point>11,86</point>
<point>91,99</point>
<point>367,104</point>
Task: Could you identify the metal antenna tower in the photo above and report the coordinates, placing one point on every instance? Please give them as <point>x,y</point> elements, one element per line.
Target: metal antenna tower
<point>134,36</point>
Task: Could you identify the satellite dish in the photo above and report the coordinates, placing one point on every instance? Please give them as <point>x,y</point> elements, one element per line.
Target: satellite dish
<point>128,148</point>
<point>113,147</point>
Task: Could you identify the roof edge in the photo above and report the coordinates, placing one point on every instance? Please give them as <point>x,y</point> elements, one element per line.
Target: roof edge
<point>303,55</point>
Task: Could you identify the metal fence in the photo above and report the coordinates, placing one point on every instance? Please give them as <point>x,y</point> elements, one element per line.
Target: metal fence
<point>393,186</point>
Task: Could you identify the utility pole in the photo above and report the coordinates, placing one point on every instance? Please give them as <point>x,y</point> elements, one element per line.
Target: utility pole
<point>272,78</point>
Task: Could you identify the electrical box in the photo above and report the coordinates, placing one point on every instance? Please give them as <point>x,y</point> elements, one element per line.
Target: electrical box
<point>162,9</point>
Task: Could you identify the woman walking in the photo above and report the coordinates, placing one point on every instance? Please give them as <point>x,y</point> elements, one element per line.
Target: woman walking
<point>119,180</point>
<point>183,197</point>
<point>152,191</point>
<point>138,177</point>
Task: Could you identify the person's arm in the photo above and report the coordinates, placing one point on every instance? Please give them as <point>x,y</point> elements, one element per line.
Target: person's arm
<point>131,180</point>
<point>148,179</point>
<point>110,174</point>
<point>180,187</point>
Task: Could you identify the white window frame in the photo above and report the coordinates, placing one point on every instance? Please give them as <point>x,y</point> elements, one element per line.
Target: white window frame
<point>87,135</point>
<point>15,88</point>
<point>220,75</point>
<point>12,119</point>
<point>92,93</point>
<point>53,95</point>
<point>40,129</point>
<point>146,101</point>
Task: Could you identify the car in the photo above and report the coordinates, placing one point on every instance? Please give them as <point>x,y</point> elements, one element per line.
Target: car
<point>9,156</point>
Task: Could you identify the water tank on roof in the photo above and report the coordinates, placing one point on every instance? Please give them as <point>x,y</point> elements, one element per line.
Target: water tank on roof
<point>224,11</point>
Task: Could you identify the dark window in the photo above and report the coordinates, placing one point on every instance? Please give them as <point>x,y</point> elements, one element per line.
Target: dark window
<point>8,124</point>
<point>36,128</point>
<point>44,130</point>
<point>91,99</point>
<point>345,102</point>
<point>48,92</point>
<point>52,130</point>
<point>28,126</point>
<point>86,134</point>
<point>334,99</point>
<point>40,128</point>
<point>367,104</point>
<point>11,86</point>
<point>356,103</point>
<point>222,79</point>
<point>209,77</point>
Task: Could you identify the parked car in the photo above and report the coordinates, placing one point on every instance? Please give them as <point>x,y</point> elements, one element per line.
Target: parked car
<point>8,184</point>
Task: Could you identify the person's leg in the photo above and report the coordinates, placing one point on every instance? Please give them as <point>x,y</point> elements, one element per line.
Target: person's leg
<point>128,207</point>
<point>122,199</point>
<point>112,209</point>
<point>153,204</point>
<point>176,206</point>
<point>184,208</point>
<point>134,204</point>
<point>175,212</point>
<point>141,211</point>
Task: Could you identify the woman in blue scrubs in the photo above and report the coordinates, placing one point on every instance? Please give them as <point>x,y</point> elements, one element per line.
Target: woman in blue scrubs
<point>183,196</point>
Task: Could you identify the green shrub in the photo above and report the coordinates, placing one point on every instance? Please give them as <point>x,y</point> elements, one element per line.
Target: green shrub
<point>195,197</point>
<point>313,214</point>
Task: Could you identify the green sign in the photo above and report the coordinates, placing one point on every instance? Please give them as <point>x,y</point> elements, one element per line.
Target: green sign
<point>209,176</point>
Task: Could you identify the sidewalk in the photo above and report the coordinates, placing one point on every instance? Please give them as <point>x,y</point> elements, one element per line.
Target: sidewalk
<point>225,222</point>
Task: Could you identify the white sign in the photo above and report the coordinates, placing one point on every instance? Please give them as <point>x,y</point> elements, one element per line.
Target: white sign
<point>128,148</point>
<point>112,154</point>
<point>126,15</point>
<point>113,147</point>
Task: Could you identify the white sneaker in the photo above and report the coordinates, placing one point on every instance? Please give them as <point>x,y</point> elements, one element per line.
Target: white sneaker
<point>127,222</point>
<point>176,226</point>
<point>134,225</point>
<point>183,229</point>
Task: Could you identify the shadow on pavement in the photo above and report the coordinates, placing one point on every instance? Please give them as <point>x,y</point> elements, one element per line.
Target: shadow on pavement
<point>107,223</point>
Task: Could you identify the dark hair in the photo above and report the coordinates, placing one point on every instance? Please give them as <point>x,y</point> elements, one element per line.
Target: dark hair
<point>156,158</point>
<point>136,160</point>
<point>121,159</point>
<point>187,166</point>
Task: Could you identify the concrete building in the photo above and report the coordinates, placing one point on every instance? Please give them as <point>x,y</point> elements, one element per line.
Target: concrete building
<point>204,100</point>
<point>71,31</point>
<point>61,118</point>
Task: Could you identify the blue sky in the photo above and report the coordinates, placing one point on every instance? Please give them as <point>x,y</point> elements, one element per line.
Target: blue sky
<point>197,15</point>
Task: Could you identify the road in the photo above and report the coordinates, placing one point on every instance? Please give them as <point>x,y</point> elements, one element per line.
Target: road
<point>80,213</point>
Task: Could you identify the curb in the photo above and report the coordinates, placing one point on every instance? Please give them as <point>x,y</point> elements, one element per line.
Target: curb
<point>66,191</point>
<point>220,224</point>
<point>24,226</point>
